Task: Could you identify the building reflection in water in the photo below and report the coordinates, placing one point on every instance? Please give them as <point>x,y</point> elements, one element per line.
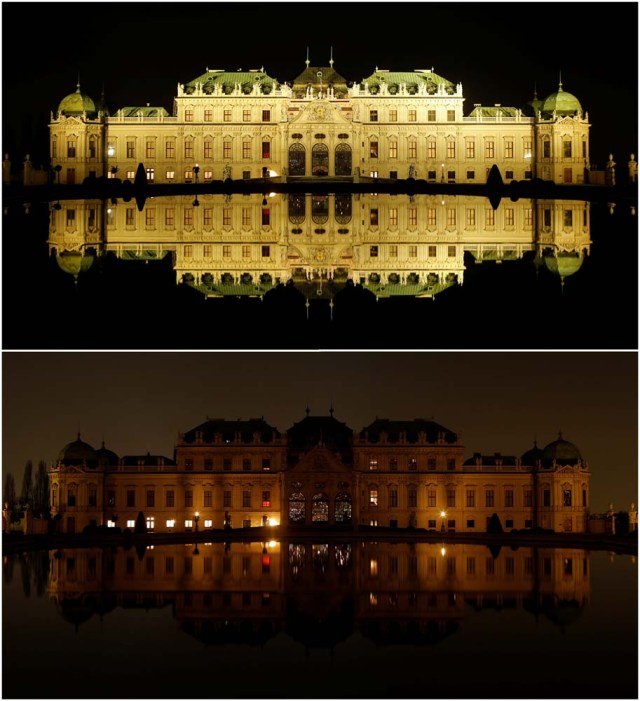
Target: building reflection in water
<point>394,246</point>
<point>320,593</point>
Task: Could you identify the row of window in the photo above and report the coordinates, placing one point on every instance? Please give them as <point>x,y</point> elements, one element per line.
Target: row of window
<point>412,115</point>
<point>227,114</point>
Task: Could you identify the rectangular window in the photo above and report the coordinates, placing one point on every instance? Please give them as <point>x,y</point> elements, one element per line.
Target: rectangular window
<point>226,464</point>
<point>373,115</point>
<point>226,250</point>
<point>528,217</point>
<point>266,499</point>
<point>71,217</point>
<point>431,115</point>
<point>393,149</point>
<point>566,149</point>
<point>170,174</point>
<point>451,148</point>
<point>471,217</point>
<point>412,216</point>
<point>508,148</point>
<point>471,523</point>
<point>266,115</point>
<point>226,115</point>
<point>246,149</point>
<point>151,498</point>
<point>266,251</point>
<point>431,524</point>
<point>470,149</point>
<point>187,219</point>
<point>431,219</point>
<point>373,217</point>
<point>266,216</point>
<point>451,462</point>
<point>188,149</point>
<point>528,497</point>
<point>489,217</point>
<point>188,115</point>
<point>566,497</point>
<point>266,149</point>
<point>412,497</point>
<point>509,216</point>
<point>451,216</point>
<point>131,498</point>
<point>246,464</point>
<point>188,497</point>
<point>131,149</point>
<point>373,149</point>
<point>546,497</point>
<point>451,115</point>
<point>471,175</point>
<point>373,497</point>
<point>373,251</point>
<point>150,150</point>
<point>170,498</point>
<point>508,175</point>
<point>431,462</point>
<point>226,498</point>
<point>226,149</point>
<point>471,566</point>
<point>393,115</point>
<point>373,463</point>
<point>393,498</point>
<point>546,217</point>
<point>93,496</point>
<point>412,115</point>
<point>246,115</point>
<point>393,216</point>
<point>171,522</point>
<point>208,149</point>
<point>490,566</point>
<point>568,218</point>
<point>71,149</point>
<point>431,498</point>
<point>489,498</point>
<point>130,216</point>
<point>489,149</point>
<point>413,251</point>
<point>246,499</point>
<point>208,498</point>
<point>266,464</point>
<point>412,149</point>
<point>431,151</point>
<point>471,498</point>
<point>393,251</point>
<point>451,497</point>
<point>546,149</point>
<point>508,497</point>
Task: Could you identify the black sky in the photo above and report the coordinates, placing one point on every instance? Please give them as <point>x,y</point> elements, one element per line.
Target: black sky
<point>498,51</point>
<point>139,402</point>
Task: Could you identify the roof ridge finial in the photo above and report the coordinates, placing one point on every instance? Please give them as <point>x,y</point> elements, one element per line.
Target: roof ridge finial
<point>307,409</point>
<point>559,435</point>
<point>560,81</point>
<point>535,90</point>
<point>78,83</point>
<point>331,407</point>
<point>331,57</point>
<point>307,61</point>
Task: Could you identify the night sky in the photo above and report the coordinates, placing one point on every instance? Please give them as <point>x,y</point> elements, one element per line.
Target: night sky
<point>139,52</point>
<point>139,402</point>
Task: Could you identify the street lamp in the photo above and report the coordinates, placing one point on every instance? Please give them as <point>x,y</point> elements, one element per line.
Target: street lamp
<point>196,170</point>
<point>442,173</point>
<point>443,515</point>
<point>196,519</point>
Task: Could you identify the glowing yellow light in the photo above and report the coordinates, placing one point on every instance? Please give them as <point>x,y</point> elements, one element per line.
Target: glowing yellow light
<point>272,522</point>
<point>443,514</point>
<point>272,174</point>
<point>272,543</point>
<point>443,552</point>
<point>272,194</point>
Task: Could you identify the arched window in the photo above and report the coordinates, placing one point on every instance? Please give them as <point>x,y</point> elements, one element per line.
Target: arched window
<point>320,557</point>
<point>320,508</point>
<point>342,554</point>
<point>297,207</point>
<point>343,208</point>
<point>343,159</point>
<point>297,158</point>
<point>297,508</point>
<point>297,553</point>
<point>320,208</point>
<point>320,160</point>
<point>343,510</point>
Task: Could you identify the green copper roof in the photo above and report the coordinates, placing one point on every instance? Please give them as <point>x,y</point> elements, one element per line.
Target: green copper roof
<point>493,111</point>
<point>411,80</point>
<point>564,264</point>
<point>74,262</point>
<point>310,77</point>
<point>561,102</point>
<point>77,103</point>
<point>144,111</point>
<point>229,79</point>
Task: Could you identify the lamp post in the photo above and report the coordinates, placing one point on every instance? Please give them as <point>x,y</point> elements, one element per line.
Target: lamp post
<point>443,515</point>
<point>442,173</point>
<point>196,519</point>
<point>196,170</point>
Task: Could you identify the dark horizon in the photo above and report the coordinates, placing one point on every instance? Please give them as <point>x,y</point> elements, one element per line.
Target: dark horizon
<point>496,402</point>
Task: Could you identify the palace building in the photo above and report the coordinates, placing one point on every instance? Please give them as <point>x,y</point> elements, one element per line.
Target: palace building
<point>246,125</point>
<point>320,473</point>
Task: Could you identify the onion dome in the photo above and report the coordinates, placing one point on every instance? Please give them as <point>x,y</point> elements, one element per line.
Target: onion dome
<point>74,262</point>
<point>564,263</point>
<point>562,452</point>
<point>78,453</point>
<point>77,103</point>
<point>106,457</point>
<point>562,103</point>
<point>532,456</point>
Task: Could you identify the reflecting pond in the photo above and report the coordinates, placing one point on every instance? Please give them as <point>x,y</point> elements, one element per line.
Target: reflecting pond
<point>352,619</point>
<point>330,271</point>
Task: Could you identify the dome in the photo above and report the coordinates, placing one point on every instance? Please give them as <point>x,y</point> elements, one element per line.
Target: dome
<point>561,102</point>
<point>564,263</point>
<point>562,452</point>
<point>532,107</point>
<point>106,457</point>
<point>77,453</point>
<point>531,456</point>
<point>74,262</point>
<point>77,103</point>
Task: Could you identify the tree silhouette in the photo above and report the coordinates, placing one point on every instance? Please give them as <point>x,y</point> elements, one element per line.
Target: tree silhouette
<point>41,503</point>
<point>26,496</point>
<point>9,496</point>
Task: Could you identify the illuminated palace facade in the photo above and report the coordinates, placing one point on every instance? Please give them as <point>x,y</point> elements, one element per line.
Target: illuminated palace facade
<point>243,125</point>
<point>319,474</point>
